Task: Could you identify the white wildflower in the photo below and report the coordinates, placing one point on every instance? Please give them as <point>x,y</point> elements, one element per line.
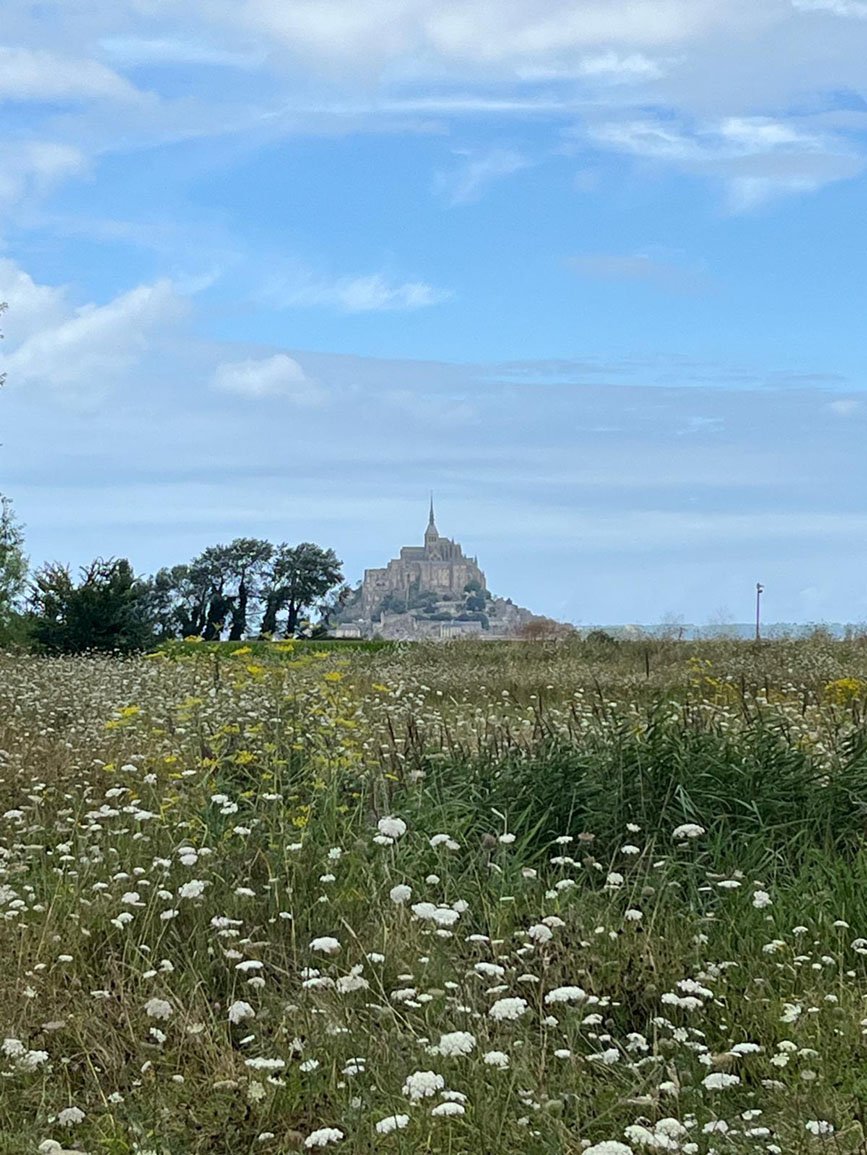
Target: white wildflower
<point>239,1011</point>
<point>565,995</point>
<point>70,1116</point>
<point>443,916</point>
<point>391,1123</point>
<point>158,1009</point>
<point>354,981</point>
<point>688,830</point>
<point>819,1127</point>
<point>448,1108</point>
<point>455,1043</point>
<point>323,1137</point>
<point>263,1064</point>
<point>509,1008</point>
<point>720,1081</point>
<point>195,888</point>
<point>325,945</point>
<point>393,828</point>
<point>422,1085</point>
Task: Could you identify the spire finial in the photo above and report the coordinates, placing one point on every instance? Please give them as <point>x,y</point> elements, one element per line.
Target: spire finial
<point>431,518</point>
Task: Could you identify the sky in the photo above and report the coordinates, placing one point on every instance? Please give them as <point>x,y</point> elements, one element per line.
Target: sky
<point>592,271</point>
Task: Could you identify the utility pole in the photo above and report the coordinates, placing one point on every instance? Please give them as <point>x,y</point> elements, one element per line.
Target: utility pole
<point>760,589</point>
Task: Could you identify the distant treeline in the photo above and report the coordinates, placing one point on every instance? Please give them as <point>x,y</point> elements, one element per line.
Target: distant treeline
<point>248,588</point>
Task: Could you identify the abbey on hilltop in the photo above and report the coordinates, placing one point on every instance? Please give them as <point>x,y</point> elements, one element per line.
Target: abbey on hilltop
<point>430,590</point>
<point>438,567</point>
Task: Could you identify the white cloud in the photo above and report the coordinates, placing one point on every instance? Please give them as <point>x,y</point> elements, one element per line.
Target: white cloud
<point>365,294</point>
<point>277,376</point>
<point>27,74</point>
<point>31,307</point>
<point>612,67</point>
<point>469,181</point>
<point>488,32</point>
<point>857,8</point>
<point>88,351</point>
<point>845,407</point>
<point>135,50</point>
<point>33,166</point>
<point>757,157</point>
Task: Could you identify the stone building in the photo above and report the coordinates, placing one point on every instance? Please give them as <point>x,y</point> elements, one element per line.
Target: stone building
<point>438,567</point>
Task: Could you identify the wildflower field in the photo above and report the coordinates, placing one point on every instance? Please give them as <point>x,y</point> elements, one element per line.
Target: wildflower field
<point>529,897</point>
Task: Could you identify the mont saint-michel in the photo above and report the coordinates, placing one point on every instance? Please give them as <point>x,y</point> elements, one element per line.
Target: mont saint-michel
<point>433,590</point>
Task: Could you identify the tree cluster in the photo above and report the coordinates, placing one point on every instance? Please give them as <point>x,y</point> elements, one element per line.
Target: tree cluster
<point>248,588</point>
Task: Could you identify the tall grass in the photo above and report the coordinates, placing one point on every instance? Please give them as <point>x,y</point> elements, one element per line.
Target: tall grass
<point>205,951</point>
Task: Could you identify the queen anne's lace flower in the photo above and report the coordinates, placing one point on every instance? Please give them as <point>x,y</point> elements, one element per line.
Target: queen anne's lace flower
<point>565,995</point>
<point>720,1081</point>
<point>239,1011</point>
<point>325,945</point>
<point>688,830</point>
<point>393,828</point>
<point>70,1117</point>
<point>819,1127</point>
<point>455,1043</point>
<point>323,1137</point>
<point>422,1085</point>
<point>391,1123</point>
<point>158,1009</point>
<point>448,1108</point>
<point>509,1008</point>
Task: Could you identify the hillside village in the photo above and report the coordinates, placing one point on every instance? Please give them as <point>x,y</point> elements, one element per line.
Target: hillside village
<point>429,591</point>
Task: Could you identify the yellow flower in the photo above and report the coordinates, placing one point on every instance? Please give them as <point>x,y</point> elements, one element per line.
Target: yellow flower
<point>845,690</point>
<point>334,676</point>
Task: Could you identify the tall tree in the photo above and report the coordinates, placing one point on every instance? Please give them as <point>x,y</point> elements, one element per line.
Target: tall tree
<point>107,609</point>
<point>221,586</point>
<point>207,575</point>
<point>13,562</point>
<point>178,603</point>
<point>246,560</point>
<point>297,578</point>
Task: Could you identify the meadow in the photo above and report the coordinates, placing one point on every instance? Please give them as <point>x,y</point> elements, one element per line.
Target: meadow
<point>532,897</point>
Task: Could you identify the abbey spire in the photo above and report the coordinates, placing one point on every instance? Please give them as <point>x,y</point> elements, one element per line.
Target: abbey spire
<point>431,534</point>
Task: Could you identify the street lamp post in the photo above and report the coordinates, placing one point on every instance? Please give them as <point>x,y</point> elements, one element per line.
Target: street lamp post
<point>760,589</point>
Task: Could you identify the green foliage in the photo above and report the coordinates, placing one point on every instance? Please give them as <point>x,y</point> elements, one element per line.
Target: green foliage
<point>538,788</point>
<point>600,638</point>
<point>297,577</point>
<point>107,610</point>
<point>233,589</point>
<point>13,565</point>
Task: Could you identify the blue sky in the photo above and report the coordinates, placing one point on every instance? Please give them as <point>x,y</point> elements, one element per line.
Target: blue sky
<point>592,271</point>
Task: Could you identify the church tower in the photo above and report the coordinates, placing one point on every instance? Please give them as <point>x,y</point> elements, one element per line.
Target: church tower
<point>431,536</point>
